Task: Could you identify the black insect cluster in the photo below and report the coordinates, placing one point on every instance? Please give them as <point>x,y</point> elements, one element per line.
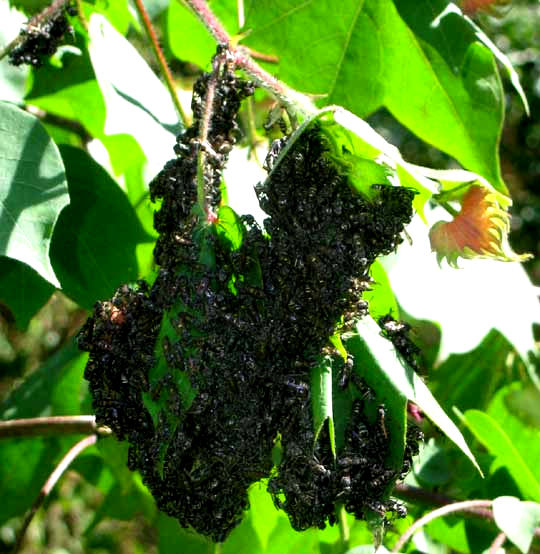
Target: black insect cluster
<point>42,35</point>
<point>202,371</point>
<point>398,333</point>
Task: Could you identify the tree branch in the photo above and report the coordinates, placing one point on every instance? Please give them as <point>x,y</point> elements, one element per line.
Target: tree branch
<point>54,425</point>
<point>476,508</point>
<point>60,121</point>
<point>64,463</point>
<point>439,512</point>
<point>294,101</point>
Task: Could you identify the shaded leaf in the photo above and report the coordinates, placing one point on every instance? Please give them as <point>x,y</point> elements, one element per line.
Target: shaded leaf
<point>22,290</point>
<point>468,380</point>
<point>517,520</point>
<point>33,190</point>
<point>432,467</point>
<point>525,404</point>
<point>93,248</point>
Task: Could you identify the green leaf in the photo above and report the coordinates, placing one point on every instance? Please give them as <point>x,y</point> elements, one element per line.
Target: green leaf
<point>321,399</point>
<point>138,104</point>
<point>70,91</point>
<point>264,514</point>
<point>380,296</point>
<point>370,55</point>
<point>498,443</point>
<point>517,520</point>
<point>442,24</point>
<point>369,365</point>
<point>33,190</point>
<point>189,39</point>
<point>525,404</point>
<point>468,380</point>
<point>370,347</point>
<point>93,249</point>
<point>173,539</point>
<point>526,439</point>
<point>432,467</point>
<point>229,227</point>
<point>22,290</point>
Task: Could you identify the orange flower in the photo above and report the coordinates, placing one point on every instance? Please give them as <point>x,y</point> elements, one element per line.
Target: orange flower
<point>470,7</point>
<point>479,230</point>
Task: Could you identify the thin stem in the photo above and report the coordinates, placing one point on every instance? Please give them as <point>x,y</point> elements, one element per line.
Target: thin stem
<point>65,462</point>
<point>210,21</point>
<point>344,531</point>
<point>34,22</point>
<point>421,496</point>
<point>158,53</point>
<point>217,547</point>
<point>439,512</point>
<point>500,539</point>
<point>54,425</point>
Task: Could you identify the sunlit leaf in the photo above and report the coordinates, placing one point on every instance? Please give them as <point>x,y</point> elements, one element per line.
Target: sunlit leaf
<point>371,54</point>
<point>33,190</point>
<point>137,103</point>
<point>496,440</point>
<point>517,520</point>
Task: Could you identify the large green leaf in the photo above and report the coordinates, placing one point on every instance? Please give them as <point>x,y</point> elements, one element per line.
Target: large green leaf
<point>369,56</point>
<point>371,348</point>
<point>137,103</point>
<point>33,190</point>
<point>93,249</point>
<point>22,290</point>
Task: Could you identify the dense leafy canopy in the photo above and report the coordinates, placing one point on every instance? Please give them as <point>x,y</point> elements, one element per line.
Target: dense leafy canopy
<point>81,138</point>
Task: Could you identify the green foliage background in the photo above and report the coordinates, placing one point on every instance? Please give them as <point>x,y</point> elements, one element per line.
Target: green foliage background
<point>76,222</point>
